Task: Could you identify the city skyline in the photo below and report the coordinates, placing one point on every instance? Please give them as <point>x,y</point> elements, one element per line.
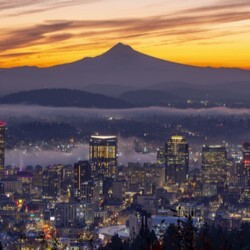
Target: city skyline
<point>124,125</point>
<point>95,197</point>
<point>45,33</point>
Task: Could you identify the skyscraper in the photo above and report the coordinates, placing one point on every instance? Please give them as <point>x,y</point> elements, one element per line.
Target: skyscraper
<point>73,214</point>
<point>52,182</point>
<point>103,155</point>
<point>246,151</point>
<point>90,192</point>
<point>246,165</point>
<point>177,159</point>
<point>139,221</point>
<point>2,144</point>
<point>82,173</point>
<point>214,169</point>
<point>160,156</point>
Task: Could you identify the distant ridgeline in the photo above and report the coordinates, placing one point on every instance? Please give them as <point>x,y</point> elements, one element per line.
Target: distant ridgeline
<point>64,98</point>
<point>124,73</point>
<point>126,100</point>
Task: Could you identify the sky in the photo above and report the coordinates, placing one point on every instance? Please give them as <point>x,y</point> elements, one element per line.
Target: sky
<point>197,32</point>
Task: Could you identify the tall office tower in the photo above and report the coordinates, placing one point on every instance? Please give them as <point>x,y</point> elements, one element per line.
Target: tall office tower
<point>2,145</point>
<point>177,159</point>
<point>139,221</point>
<point>246,165</point>
<point>82,173</point>
<point>214,169</point>
<point>52,182</point>
<point>103,155</point>
<point>90,192</point>
<point>37,181</point>
<point>1,188</point>
<point>160,157</point>
<point>73,214</point>
<point>118,188</point>
<point>246,151</point>
<point>136,176</point>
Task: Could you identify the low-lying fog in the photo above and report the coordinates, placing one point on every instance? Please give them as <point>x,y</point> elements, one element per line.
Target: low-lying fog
<point>9,111</point>
<point>20,157</point>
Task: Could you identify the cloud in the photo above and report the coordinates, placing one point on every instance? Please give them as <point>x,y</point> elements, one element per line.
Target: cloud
<point>37,6</point>
<point>13,4</point>
<point>194,21</point>
<point>46,40</point>
<point>221,6</point>
<point>21,54</point>
<point>30,36</point>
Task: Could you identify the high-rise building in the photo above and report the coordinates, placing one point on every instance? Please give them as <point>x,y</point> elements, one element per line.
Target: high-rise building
<point>160,157</point>
<point>214,169</point>
<point>246,151</point>
<point>139,221</point>
<point>2,144</point>
<point>52,182</point>
<point>37,181</point>
<point>118,188</point>
<point>177,159</point>
<point>1,188</point>
<point>136,176</point>
<point>245,166</point>
<point>82,173</point>
<point>103,155</point>
<point>90,192</point>
<point>73,214</point>
<point>154,178</point>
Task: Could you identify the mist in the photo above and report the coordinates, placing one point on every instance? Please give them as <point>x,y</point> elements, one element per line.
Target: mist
<point>38,112</point>
<point>22,157</point>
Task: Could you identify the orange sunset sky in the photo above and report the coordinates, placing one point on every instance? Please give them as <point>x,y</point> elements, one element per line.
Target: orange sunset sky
<point>197,32</point>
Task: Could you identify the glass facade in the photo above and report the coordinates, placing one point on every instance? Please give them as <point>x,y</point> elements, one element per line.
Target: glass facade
<point>103,154</point>
<point>214,166</point>
<point>2,144</point>
<point>176,159</point>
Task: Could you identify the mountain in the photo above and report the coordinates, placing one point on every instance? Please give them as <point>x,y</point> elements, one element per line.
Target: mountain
<point>149,97</point>
<point>108,89</point>
<point>119,66</point>
<point>64,98</point>
<point>226,91</point>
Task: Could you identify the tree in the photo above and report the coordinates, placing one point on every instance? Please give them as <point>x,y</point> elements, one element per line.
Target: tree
<point>187,234</point>
<point>115,243</point>
<point>243,236</point>
<point>203,241</point>
<point>171,239</point>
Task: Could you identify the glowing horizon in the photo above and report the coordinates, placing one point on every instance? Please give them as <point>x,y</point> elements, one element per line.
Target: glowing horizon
<point>45,33</point>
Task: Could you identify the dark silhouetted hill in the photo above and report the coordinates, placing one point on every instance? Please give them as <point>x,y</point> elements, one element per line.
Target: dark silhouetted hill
<point>64,98</point>
<point>149,97</point>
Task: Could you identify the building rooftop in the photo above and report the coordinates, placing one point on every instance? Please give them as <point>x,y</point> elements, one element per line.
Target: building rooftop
<point>213,146</point>
<point>103,137</point>
<point>177,137</point>
<point>2,123</point>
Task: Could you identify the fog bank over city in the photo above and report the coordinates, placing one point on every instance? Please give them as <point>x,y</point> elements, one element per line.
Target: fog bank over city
<point>32,111</point>
<point>34,156</point>
<point>36,125</point>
